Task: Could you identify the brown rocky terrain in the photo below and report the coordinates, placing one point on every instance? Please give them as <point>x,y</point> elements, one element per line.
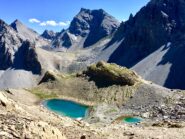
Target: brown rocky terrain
<point>25,119</point>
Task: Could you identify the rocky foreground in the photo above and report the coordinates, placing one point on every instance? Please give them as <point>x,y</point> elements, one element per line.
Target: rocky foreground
<point>163,110</point>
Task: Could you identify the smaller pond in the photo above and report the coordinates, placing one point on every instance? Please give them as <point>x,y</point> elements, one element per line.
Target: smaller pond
<point>132,120</point>
<point>66,108</point>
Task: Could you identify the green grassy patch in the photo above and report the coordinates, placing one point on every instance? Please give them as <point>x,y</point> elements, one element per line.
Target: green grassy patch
<point>42,94</point>
<point>106,74</point>
<point>111,111</point>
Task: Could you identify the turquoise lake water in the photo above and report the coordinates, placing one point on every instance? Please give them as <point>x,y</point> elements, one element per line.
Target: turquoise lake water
<point>132,120</point>
<point>66,108</point>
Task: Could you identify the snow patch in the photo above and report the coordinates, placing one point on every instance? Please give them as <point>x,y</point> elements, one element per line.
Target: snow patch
<point>164,14</point>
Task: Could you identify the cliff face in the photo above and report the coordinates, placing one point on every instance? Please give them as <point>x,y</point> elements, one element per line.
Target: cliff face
<point>10,42</point>
<point>27,58</point>
<point>158,24</point>
<point>153,26</point>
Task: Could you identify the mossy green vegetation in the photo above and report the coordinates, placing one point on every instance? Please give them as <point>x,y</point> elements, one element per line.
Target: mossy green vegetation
<point>111,111</point>
<point>43,95</point>
<point>105,74</point>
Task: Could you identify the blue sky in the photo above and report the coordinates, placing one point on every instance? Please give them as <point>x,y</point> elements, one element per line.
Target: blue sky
<point>56,14</point>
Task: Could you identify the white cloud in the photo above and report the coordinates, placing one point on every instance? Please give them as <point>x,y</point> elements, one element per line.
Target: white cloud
<point>64,23</point>
<point>43,24</point>
<point>50,22</point>
<point>34,20</point>
<point>54,23</point>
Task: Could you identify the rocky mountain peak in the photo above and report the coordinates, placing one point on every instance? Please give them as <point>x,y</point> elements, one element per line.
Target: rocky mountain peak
<point>2,22</point>
<point>84,20</point>
<point>87,28</point>
<point>28,34</point>
<point>16,24</point>
<point>48,34</point>
<point>20,27</point>
<point>84,10</point>
<point>17,21</point>
<point>3,25</point>
<point>93,24</point>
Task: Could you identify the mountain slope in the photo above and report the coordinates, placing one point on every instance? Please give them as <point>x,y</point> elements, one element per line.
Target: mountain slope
<point>158,23</point>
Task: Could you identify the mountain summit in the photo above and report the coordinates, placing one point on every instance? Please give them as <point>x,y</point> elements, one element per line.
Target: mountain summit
<point>24,31</point>
<point>48,34</point>
<point>27,33</point>
<point>95,24</point>
<point>87,28</point>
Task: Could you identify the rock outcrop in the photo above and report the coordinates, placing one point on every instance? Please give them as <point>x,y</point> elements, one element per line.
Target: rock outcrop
<point>48,76</point>
<point>109,74</point>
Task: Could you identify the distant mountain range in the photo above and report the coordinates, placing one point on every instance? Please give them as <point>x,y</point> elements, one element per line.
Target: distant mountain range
<point>151,43</point>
